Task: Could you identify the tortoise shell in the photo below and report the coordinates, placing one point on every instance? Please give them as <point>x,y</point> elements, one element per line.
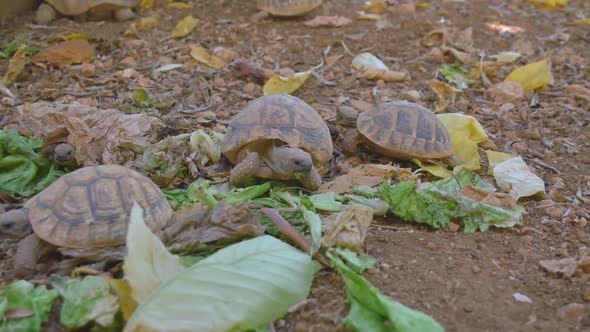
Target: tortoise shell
<point>288,7</point>
<point>279,117</point>
<point>77,7</point>
<point>405,130</point>
<point>90,207</point>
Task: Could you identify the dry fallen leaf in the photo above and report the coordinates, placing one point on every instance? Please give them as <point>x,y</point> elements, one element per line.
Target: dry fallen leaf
<point>348,228</point>
<point>361,175</point>
<point>225,54</point>
<point>514,174</point>
<point>179,5</point>
<point>146,3</point>
<point>490,198</point>
<point>466,133</point>
<point>384,74</point>
<point>328,21</point>
<point>16,65</point>
<point>506,57</point>
<point>560,267</point>
<point>532,76</point>
<point>549,4</point>
<point>66,53</point>
<point>143,24</point>
<point>495,157</point>
<point>374,6</point>
<point>278,84</point>
<point>124,293</point>
<point>203,56</point>
<point>446,95</point>
<point>185,27</point>
<point>506,92</point>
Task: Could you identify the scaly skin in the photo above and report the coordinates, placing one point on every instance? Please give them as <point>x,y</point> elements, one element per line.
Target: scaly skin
<point>312,180</point>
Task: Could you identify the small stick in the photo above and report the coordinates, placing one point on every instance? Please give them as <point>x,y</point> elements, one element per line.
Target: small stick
<point>291,233</point>
<point>543,164</point>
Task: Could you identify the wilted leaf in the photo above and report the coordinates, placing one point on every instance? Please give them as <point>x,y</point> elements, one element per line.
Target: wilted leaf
<point>141,98</point>
<point>124,293</point>
<point>263,277</point>
<point>185,27</point>
<point>22,295</point>
<point>225,54</point>
<point>370,310</point>
<point>466,133</point>
<point>85,300</point>
<point>348,228</point>
<point>374,6</point>
<point>203,56</point>
<point>456,75</point>
<point>179,5</point>
<point>379,207</point>
<point>362,15</point>
<point>506,57</point>
<point>561,267</point>
<point>23,171</point>
<point>495,157</point>
<point>357,263</point>
<point>549,4</point>
<point>362,175</point>
<point>532,76</point>
<point>169,67</point>
<point>384,74</point>
<point>446,95</point>
<point>207,147</point>
<point>278,84</point>
<point>66,53</point>
<point>143,24</point>
<point>244,194</point>
<point>514,174</point>
<point>148,264</point>
<point>506,92</point>
<point>326,202</point>
<point>315,224</point>
<point>328,21</point>
<point>146,3</point>
<point>16,65</point>
<point>367,60</point>
<point>487,197</point>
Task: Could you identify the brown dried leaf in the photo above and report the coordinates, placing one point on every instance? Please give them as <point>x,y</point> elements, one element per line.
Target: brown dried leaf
<point>384,74</point>
<point>328,21</point>
<point>143,24</point>
<point>506,92</point>
<point>18,313</point>
<point>446,95</point>
<point>362,175</point>
<point>561,267</point>
<point>66,53</point>
<point>490,198</point>
<point>16,65</point>
<point>374,6</point>
<point>225,54</point>
<point>203,56</point>
<point>348,228</point>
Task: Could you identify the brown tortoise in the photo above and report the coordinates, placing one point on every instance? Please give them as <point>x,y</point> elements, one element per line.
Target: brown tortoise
<point>89,9</point>
<point>399,130</point>
<point>278,137</point>
<point>87,208</point>
<point>287,8</point>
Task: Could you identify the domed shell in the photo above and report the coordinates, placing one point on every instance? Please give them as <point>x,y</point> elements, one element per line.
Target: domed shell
<point>405,130</point>
<point>288,7</point>
<point>90,207</point>
<point>77,7</point>
<point>282,117</point>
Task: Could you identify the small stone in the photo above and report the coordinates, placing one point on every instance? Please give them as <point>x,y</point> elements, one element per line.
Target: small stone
<point>572,312</point>
<point>380,84</point>
<point>505,108</point>
<point>475,269</point>
<point>453,227</point>
<point>431,245</point>
<point>586,294</point>
<point>219,82</point>
<point>413,96</point>
<point>249,88</point>
<point>385,266</point>
<point>527,239</point>
<point>88,69</point>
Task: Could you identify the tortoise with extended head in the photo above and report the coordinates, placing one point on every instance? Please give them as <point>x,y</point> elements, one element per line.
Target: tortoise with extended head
<point>288,8</point>
<point>400,130</point>
<point>87,208</point>
<point>90,9</point>
<point>278,137</point>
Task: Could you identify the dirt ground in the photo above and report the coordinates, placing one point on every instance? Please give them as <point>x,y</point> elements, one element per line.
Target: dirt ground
<point>465,281</point>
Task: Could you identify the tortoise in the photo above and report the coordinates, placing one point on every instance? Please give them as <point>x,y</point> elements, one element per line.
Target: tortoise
<point>86,9</point>
<point>399,130</point>
<point>278,137</point>
<point>288,8</point>
<point>87,208</point>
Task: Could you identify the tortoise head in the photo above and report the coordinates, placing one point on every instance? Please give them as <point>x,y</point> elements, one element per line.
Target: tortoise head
<point>286,160</point>
<point>64,154</point>
<point>14,224</point>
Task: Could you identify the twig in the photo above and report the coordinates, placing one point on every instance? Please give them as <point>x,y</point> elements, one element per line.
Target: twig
<point>541,163</point>
<point>291,233</point>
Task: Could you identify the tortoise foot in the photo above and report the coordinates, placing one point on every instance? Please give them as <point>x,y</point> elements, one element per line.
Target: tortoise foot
<point>45,14</point>
<point>124,14</point>
<point>27,252</point>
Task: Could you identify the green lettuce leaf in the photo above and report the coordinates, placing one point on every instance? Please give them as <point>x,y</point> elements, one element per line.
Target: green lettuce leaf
<point>239,287</point>
<point>357,263</point>
<point>85,300</point>
<point>23,171</point>
<point>24,295</point>
<point>370,310</point>
<point>455,75</point>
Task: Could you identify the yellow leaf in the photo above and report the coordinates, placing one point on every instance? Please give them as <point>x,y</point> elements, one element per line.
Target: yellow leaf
<point>146,3</point>
<point>200,54</point>
<point>549,4</point>
<point>76,36</point>
<point>532,76</point>
<point>446,95</point>
<point>434,169</point>
<point>368,16</point>
<point>179,5</point>
<point>279,84</point>
<point>185,27</point>
<point>466,132</point>
<point>495,157</point>
<point>583,21</point>
<point>374,6</point>
<point>124,293</point>
<point>16,65</point>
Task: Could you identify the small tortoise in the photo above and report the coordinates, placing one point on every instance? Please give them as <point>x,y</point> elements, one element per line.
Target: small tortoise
<point>287,8</point>
<point>399,130</point>
<point>278,137</point>
<point>87,208</point>
<point>89,9</point>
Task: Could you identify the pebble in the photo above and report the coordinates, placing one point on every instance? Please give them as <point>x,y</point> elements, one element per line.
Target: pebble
<point>572,312</point>
<point>453,227</point>
<point>88,69</point>
<point>586,294</point>
<point>413,95</point>
<point>527,239</point>
<point>219,82</point>
<point>475,269</point>
<point>431,245</point>
<point>249,88</point>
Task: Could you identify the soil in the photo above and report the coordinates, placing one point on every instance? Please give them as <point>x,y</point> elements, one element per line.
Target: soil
<point>464,281</point>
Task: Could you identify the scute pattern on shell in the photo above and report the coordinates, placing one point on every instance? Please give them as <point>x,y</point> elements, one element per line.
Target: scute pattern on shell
<point>77,7</point>
<point>288,7</point>
<point>405,130</point>
<point>282,117</point>
<point>90,207</point>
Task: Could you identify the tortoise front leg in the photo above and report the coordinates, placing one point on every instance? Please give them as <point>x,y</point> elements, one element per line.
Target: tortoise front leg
<point>27,253</point>
<point>312,180</point>
<point>249,167</point>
